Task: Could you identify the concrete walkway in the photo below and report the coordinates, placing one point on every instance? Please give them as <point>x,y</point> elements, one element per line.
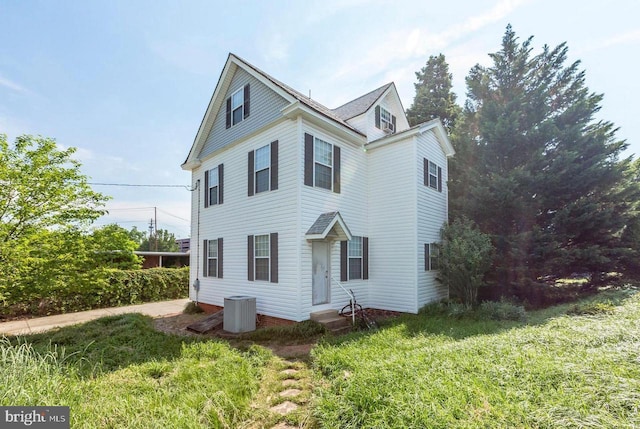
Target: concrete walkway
<point>41,324</point>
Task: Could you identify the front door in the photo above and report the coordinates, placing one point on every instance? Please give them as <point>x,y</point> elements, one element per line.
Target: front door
<point>321,273</point>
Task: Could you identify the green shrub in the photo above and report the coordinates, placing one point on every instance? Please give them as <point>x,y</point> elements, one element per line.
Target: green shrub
<point>466,256</point>
<point>501,310</point>
<point>100,289</point>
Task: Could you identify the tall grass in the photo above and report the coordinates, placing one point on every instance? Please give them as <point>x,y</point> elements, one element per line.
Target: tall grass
<point>436,371</point>
<point>118,372</point>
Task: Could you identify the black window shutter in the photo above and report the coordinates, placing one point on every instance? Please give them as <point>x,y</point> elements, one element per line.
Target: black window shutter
<point>377,116</point>
<point>439,179</point>
<point>250,255</point>
<point>251,166</point>
<point>205,254</point>
<point>308,159</point>
<point>206,188</point>
<point>220,258</point>
<point>344,274</point>
<point>274,165</point>
<point>426,172</point>
<point>365,258</point>
<point>229,112</point>
<point>426,256</point>
<point>393,121</point>
<point>247,104</point>
<point>220,183</point>
<point>273,254</point>
<point>336,169</point>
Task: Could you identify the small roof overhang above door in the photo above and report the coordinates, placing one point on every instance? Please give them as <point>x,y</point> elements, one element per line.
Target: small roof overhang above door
<point>329,226</point>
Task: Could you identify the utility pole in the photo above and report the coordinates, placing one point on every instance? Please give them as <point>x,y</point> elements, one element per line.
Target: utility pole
<point>151,234</point>
<point>155,215</point>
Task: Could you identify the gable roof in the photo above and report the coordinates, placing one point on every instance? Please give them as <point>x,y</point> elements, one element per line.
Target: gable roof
<point>288,93</point>
<point>329,224</point>
<point>361,104</point>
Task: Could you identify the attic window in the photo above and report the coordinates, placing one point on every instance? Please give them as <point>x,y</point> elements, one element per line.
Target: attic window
<point>237,106</point>
<point>385,120</point>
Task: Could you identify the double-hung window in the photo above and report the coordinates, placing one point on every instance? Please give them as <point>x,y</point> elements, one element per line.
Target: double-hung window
<point>214,182</point>
<point>263,169</point>
<point>237,106</point>
<point>385,119</point>
<point>355,258</point>
<point>431,256</point>
<point>432,175</point>
<point>263,257</point>
<point>323,164</point>
<point>213,186</point>
<point>212,251</point>
<point>262,164</point>
<point>212,258</point>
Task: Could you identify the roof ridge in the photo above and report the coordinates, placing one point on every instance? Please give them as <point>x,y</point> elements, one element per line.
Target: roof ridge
<point>315,105</point>
<point>361,104</point>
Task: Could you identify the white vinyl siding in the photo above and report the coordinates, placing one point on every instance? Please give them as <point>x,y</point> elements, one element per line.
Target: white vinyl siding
<point>241,216</point>
<point>351,202</point>
<point>432,215</point>
<point>392,226</point>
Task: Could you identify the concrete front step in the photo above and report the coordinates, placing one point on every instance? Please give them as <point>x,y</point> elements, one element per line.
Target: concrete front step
<point>319,316</point>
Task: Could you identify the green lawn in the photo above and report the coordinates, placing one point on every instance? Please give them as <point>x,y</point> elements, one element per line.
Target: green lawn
<point>433,370</point>
<point>119,372</point>
<point>575,365</point>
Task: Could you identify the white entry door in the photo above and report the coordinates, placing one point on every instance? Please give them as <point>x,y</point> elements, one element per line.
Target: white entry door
<point>321,273</point>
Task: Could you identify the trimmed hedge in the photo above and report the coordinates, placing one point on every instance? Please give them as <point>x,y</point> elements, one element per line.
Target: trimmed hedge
<point>111,289</point>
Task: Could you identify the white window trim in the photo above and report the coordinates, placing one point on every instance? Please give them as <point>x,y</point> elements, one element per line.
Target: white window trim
<point>323,164</point>
<point>434,175</point>
<point>214,175</point>
<point>384,121</point>
<point>256,171</point>
<point>434,253</point>
<point>255,258</point>
<point>349,258</point>
<point>210,244</point>
<point>241,106</point>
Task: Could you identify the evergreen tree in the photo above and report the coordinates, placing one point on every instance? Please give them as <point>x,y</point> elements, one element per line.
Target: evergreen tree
<point>543,176</point>
<point>434,98</point>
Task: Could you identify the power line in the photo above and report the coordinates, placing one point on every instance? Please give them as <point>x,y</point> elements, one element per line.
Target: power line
<point>187,187</point>
<point>177,217</point>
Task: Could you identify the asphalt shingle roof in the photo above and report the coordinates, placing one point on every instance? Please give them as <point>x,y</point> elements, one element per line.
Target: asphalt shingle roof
<point>321,224</point>
<point>361,104</point>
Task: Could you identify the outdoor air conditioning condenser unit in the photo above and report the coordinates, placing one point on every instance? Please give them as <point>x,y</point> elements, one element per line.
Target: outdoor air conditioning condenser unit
<point>239,314</point>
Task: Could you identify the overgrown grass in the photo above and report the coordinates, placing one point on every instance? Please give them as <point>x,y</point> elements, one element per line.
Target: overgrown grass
<point>290,334</point>
<point>119,372</point>
<point>434,370</point>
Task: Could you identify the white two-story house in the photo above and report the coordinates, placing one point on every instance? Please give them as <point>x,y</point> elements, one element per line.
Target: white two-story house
<point>294,201</point>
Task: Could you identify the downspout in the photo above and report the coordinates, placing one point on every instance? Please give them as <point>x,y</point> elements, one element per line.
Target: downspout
<point>196,283</point>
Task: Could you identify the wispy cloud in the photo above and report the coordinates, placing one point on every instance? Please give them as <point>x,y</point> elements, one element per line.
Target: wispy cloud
<point>629,37</point>
<point>7,83</point>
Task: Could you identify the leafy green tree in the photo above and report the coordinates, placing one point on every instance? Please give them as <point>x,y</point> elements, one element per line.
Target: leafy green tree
<point>434,98</point>
<point>465,257</point>
<point>545,178</point>
<point>162,241</point>
<point>112,246</point>
<point>42,191</point>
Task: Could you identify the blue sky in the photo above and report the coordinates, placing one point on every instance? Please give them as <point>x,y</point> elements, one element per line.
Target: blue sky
<point>128,82</point>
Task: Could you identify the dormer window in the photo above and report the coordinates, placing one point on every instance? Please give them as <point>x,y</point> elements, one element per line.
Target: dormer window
<point>385,120</point>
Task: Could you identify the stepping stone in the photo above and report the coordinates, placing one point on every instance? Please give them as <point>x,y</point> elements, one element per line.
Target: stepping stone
<point>284,408</point>
<point>289,371</point>
<point>289,382</point>
<point>290,393</point>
